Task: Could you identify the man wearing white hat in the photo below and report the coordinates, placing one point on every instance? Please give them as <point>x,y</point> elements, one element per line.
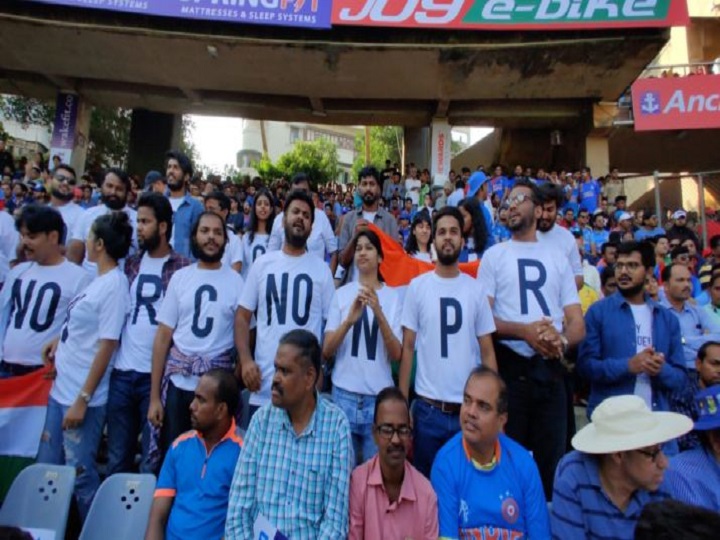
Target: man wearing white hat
<point>616,469</point>
<point>694,476</point>
<point>680,230</point>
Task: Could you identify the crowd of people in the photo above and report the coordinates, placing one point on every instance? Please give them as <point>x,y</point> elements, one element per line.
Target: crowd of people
<point>439,409</point>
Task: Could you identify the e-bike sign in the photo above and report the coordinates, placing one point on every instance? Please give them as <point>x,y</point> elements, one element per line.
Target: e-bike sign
<point>511,14</point>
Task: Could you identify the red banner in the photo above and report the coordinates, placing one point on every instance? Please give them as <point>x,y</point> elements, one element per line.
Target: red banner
<point>691,102</point>
<point>511,14</point>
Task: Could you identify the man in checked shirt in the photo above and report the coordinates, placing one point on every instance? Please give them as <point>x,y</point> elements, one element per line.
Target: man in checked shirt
<point>295,465</point>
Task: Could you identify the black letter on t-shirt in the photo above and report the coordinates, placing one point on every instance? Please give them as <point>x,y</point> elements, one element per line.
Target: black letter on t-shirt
<point>534,286</point>
<point>147,300</point>
<point>371,332</point>
<point>212,297</point>
<point>19,306</point>
<point>279,300</point>
<point>257,251</point>
<point>298,318</point>
<point>445,328</point>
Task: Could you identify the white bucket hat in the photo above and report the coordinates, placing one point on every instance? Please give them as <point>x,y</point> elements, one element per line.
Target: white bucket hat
<point>623,423</point>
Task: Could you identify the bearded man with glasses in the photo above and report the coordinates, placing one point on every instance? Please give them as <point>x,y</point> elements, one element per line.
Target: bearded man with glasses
<point>62,185</point>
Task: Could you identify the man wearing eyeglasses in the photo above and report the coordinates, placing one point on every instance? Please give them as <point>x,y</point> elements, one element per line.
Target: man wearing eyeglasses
<point>389,498</point>
<point>487,485</point>
<point>632,343</point>
<point>62,185</point>
<point>616,469</point>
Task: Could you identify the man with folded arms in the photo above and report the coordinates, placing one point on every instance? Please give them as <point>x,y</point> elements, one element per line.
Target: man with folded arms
<point>616,469</point>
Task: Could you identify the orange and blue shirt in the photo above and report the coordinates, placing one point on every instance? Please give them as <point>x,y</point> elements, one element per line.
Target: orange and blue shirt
<point>502,500</point>
<point>199,480</point>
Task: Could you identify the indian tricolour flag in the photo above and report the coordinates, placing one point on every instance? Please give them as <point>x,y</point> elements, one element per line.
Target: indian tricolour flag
<point>23,402</point>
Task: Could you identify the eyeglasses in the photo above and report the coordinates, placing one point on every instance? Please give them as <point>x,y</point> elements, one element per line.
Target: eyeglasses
<point>631,266</point>
<point>386,431</point>
<point>518,199</point>
<point>683,258</point>
<point>652,454</point>
<point>62,178</point>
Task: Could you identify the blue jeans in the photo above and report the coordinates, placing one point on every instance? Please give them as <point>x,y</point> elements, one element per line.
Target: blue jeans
<point>74,447</point>
<point>433,428</point>
<point>359,410</point>
<point>127,408</point>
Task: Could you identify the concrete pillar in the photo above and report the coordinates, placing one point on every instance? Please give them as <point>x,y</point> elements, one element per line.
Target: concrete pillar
<point>152,134</point>
<point>440,154</point>
<point>417,146</point>
<point>71,130</point>
<point>597,155</point>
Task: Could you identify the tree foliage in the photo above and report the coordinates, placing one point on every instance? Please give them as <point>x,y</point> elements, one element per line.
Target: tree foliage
<point>187,144</point>
<point>385,143</point>
<point>318,159</point>
<point>27,111</point>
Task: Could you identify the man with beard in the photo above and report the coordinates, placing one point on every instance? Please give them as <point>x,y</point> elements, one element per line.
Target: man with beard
<point>286,290</point>
<point>37,293</point>
<point>62,184</point>
<point>322,241</point>
<point>633,344</point>
<point>358,220</point>
<point>219,203</point>
<point>186,209</point>
<point>195,331</point>
<point>295,465</point>
<point>114,189</point>
<point>539,318</point>
<point>389,498</point>
<point>191,495</point>
<point>555,237</point>
<point>447,313</point>
<point>148,274</point>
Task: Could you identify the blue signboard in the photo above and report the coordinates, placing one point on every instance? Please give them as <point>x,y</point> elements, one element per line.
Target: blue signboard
<point>302,13</point>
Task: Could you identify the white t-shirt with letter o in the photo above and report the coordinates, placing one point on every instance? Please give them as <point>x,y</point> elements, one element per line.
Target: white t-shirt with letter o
<point>448,316</point>
<point>96,313</point>
<point>527,281</point>
<point>34,304</point>
<point>146,296</point>
<point>361,362</point>
<point>285,293</point>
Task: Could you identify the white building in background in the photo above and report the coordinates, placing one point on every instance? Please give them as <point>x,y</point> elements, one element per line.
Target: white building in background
<point>282,136</point>
<point>26,139</point>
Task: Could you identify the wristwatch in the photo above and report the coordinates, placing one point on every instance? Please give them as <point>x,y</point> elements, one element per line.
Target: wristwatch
<point>85,396</point>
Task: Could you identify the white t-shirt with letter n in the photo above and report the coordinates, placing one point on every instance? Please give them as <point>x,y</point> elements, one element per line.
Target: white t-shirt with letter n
<point>200,307</point>
<point>642,313</point>
<point>252,250</point>
<point>528,281</point>
<point>361,362</point>
<point>34,304</point>
<point>146,296</point>
<point>448,315</point>
<point>96,313</point>
<point>285,293</point>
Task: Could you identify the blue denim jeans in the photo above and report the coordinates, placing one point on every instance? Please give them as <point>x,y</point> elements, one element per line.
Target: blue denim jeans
<point>74,447</point>
<point>432,428</point>
<point>127,408</point>
<point>359,409</point>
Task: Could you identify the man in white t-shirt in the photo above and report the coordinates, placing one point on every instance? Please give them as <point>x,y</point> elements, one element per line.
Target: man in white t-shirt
<point>62,184</point>
<point>446,316</point>
<point>412,186</point>
<point>114,192</point>
<point>286,290</point>
<point>148,273</point>
<point>554,236</point>
<point>196,318</point>
<point>219,203</point>
<point>36,295</point>
<point>538,317</point>
<point>322,241</point>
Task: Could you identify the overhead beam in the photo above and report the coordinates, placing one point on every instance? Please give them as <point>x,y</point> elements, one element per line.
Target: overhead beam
<point>317,106</point>
<point>442,108</point>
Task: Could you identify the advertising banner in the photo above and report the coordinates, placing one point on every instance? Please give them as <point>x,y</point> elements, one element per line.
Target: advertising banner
<point>691,102</point>
<point>304,13</point>
<point>511,14</point>
<point>440,157</point>
<point>64,126</point>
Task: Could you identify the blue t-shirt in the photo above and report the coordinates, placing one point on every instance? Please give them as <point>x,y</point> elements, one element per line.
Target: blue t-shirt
<point>589,192</point>
<point>599,238</point>
<point>505,502</point>
<point>642,233</point>
<point>500,233</point>
<point>200,484</point>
